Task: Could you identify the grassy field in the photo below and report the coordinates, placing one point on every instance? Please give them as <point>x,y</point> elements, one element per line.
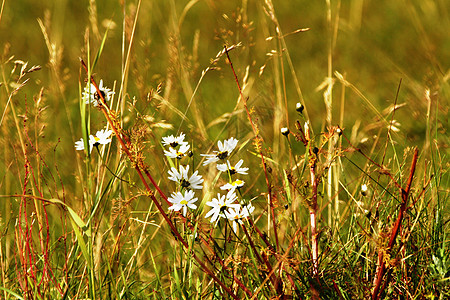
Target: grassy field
<point>224,149</point>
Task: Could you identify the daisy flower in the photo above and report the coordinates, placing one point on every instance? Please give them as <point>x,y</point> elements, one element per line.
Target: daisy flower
<point>173,141</point>
<point>238,214</point>
<point>233,170</point>
<point>90,94</point>
<point>173,153</point>
<point>234,185</point>
<point>224,152</point>
<point>193,182</point>
<point>181,201</point>
<point>79,145</point>
<point>102,137</point>
<point>221,204</point>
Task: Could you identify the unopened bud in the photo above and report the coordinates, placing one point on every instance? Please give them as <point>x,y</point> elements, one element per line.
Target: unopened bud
<point>299,107</point>
<point>364,189</point>
<point>285,131</point>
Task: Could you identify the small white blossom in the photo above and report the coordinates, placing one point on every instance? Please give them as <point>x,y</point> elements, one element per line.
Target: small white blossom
<point>238,214</point>
<point>173,153</point>
<point>220,205</point>
<point>181,201</point>
<point>79,145</point>
<point>173,141</point>
<point>90,94</point>
<point>233,170</point>
<point>234,185</point>
<point>192,182</point>
<point>102,137</point>
<point>224,152</point>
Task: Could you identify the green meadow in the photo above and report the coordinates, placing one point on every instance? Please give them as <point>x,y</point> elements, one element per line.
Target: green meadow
<point>253,149</point>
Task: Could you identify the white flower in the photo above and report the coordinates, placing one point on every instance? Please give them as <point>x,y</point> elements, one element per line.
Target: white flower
<point>172,153</point>
<point>233,170</point>
<point>238,214</point>
<point>102,137</point>
<point>234,185</point>
<point>224,152</point>
<point>79,145</point>
<point>90,94</point>
<point>173,141</point>
<point>221,204</point>
<point>182,202</point>
<point>193,182</point>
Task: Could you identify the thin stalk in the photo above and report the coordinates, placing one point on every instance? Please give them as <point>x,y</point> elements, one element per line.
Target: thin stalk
<point>259,140</point>
<point>381,265</point>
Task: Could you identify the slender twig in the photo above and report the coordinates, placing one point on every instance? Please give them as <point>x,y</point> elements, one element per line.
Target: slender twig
<point>381,265</point>
<point>263,162</point>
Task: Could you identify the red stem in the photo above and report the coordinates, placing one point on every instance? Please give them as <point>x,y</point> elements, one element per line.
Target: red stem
<point>395,229</point>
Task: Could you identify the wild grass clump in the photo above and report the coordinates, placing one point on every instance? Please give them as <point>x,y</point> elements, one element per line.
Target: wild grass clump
<point>157,156</point>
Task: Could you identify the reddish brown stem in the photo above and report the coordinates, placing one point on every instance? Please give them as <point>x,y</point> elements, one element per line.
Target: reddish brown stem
<point>273,278</point>
<point>255,131</point>
<point>381,269</point>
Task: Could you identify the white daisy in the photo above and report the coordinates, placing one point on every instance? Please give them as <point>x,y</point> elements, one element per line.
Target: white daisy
<point>193,182</point>
<point>224,152</point>
<point>79,145</point>
<point>238,214</point>
<point>102,137</point>
<point>233,170</point>
<point>90,94</point>
<point>234,185</point>
<point>221,204</point>
<point>181,201</point>
<point>173,141</point>
<point>173,153</point>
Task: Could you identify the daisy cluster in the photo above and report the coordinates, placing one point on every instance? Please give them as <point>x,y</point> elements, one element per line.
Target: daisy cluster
<point>227,206</point>
<point>224,206</point>
<point>187,181</point>
<point>91,96</point>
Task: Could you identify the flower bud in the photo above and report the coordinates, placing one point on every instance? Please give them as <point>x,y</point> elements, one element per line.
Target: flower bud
<point>299,107</point>
<point>285,131</point>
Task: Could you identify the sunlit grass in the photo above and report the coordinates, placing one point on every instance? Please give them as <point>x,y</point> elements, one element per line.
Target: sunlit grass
<point>339,168</point>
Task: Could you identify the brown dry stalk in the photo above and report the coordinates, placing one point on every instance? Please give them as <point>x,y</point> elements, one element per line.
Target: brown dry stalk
<point>381,265</point>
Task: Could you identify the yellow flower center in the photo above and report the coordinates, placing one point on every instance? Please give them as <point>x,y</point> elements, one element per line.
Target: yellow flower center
<point>237,182</point>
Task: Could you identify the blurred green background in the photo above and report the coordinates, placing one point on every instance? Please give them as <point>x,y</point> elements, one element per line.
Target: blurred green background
<point>374,44</point>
